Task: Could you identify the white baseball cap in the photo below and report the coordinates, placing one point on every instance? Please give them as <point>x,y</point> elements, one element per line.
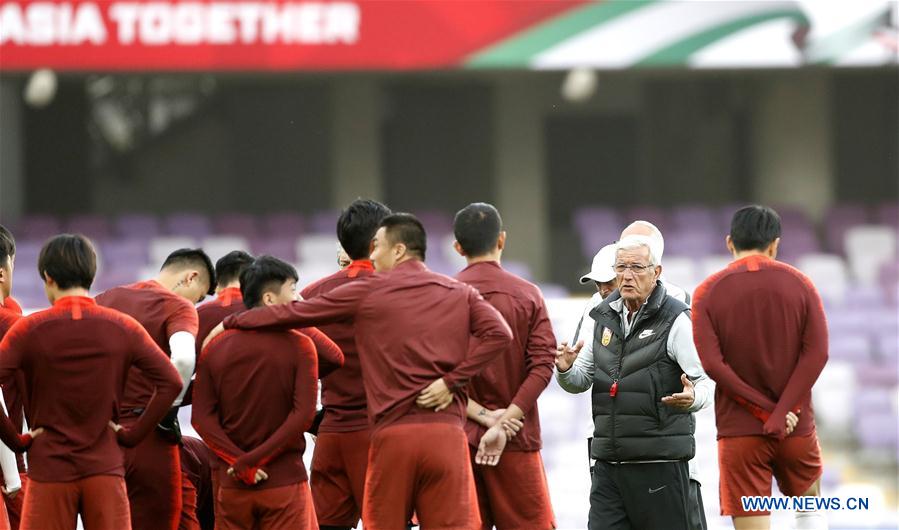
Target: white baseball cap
<point>603,269</point>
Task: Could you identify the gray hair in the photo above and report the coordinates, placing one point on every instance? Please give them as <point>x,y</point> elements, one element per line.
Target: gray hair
<point>635,243</point>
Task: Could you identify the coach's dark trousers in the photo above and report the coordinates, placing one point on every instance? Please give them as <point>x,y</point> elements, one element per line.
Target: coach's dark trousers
<point>640,496</point>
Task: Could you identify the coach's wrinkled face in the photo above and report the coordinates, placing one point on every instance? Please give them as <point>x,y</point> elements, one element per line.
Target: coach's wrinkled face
<point>636,275</point>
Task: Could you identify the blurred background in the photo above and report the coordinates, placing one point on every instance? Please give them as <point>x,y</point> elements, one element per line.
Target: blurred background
<point>150,126</point>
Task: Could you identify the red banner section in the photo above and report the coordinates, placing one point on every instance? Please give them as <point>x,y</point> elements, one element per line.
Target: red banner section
<point>258,36</point>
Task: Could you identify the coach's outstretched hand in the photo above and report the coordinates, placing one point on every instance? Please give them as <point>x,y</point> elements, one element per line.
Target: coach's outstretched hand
<point>682,400</point>
<point>212,334</point>
<point>435,396</point>
<point>566,356</point>
<point>491,447</point>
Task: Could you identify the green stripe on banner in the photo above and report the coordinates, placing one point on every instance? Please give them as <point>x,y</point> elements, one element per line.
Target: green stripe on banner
<point>679,53</point>
<point>518,50</point>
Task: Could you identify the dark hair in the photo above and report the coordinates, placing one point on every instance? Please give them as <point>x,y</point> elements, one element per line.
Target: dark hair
<point>357,226</point>
<point>229,267</point>
<point>70,260</point>
<point>754,227</point>
<point>7,245</point>
<point>477,228</point>
<point>192,257</point>
<point>405,228</point>
<point>265,275</point>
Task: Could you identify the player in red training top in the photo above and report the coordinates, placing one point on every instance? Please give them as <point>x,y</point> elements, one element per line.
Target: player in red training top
<point>761,334</point>
<point>420,335</point>
<point>255,395</point>
<point>13,465</point>
<point>75,463</point>
<point>514,494</point>
<point>341,449</point>
<point>165,308</point>
<point>228,301</point>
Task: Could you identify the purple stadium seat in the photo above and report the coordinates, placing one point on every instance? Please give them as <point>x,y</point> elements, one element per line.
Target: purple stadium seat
<point>192,225</point>
<point>793,216</point>
<point>37,226</point>
<point>653,214</point>
<point>236,224</point>
<point>279,247</point>
<point>32,299</point>
<point>864,298</point>
<point>877,430</point>
<point>96,227</point>
<point>284,224</point>
<point>694,242</point>
<point>124,253</point>
<point>888,281</point>
<point>436,223</point>
<point>692,217</point>
<point>829,274</point>
<point>440,265</point>
<point>140,225</point>
<point>797,240</point>
<point>113,277</point>
<point>519,268</point>
<point>888,214</point>
<point>596,238</point>
<point>874,399</point>
<point>854,348</point>
<point>324,222</point>
<point>597,217</point>
<point>887,344</point>
<point>874,374</point>
<point>551,290</point>
<point>838,220</point>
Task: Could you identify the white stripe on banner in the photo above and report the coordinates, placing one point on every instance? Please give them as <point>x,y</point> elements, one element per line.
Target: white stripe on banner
<point>630,38</point>
<point>765,45</point>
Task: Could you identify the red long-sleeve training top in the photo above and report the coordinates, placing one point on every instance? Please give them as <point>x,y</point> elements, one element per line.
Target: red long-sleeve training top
<point>342,394</point>
<point>413,326</point>
<point>521,373</point>
<point>760,331</point>
<point>74,358</point>
<point>10,312</point>
<point>254,396</point>
<point>230,301</point>
<point>162,313</point>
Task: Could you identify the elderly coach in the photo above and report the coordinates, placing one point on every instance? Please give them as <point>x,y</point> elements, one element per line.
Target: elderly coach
<point>647,381</point>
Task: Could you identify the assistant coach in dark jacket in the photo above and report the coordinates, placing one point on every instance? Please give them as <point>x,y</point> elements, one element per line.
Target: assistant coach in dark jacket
<point>647,381</point>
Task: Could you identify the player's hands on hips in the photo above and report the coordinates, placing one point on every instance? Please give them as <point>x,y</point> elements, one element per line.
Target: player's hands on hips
<point>682,400</point>
<point>491,417</point>
<point>566,356</point>
<point>121,434</point>
<point>251,477</point>
<point>212,334</point>
<point>491,446</point>
<point>792,422</point>
<point>435,396</point>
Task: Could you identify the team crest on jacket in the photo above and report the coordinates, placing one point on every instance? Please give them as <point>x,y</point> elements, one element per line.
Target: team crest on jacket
<point>606,336</point>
